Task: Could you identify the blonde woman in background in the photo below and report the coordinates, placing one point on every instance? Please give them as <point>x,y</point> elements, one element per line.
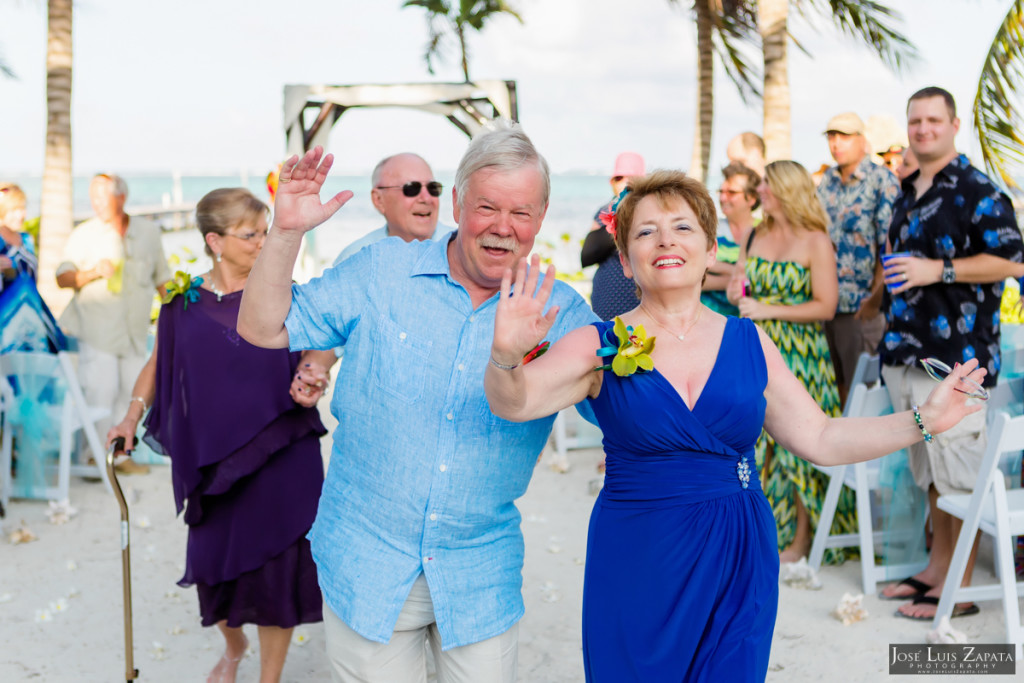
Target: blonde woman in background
<point>786,282</point>
<point>17,253</point>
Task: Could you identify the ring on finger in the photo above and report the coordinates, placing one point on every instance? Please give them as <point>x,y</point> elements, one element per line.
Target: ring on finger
<point>284,180</point>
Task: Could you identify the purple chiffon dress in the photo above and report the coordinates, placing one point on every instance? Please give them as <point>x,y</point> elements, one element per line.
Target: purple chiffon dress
<point>245,465</point>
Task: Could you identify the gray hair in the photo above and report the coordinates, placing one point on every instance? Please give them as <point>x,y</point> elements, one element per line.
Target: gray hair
<point>503,146</point>
<point>118,183</point>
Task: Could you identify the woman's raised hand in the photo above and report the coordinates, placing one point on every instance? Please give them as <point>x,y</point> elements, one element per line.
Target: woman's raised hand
<point>946,405</point>
<point>297,205</point>
<point>520,323</point>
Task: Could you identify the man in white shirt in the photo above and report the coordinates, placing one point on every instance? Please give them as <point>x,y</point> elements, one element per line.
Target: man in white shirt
<point>113,262</point>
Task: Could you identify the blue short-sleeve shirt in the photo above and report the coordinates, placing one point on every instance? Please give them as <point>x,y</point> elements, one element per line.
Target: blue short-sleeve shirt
<point>423,476</point>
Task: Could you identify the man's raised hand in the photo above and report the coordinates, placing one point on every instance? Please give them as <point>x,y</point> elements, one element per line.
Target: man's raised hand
<point>297,205</point>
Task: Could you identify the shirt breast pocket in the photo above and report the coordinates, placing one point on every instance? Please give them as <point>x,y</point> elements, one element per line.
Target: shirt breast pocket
<point>399,360</point>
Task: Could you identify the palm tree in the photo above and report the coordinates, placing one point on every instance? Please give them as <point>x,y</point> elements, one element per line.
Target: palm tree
<point>56,201</point>
<point>721,26</point>
<point>866,20</point>
<point>996,116</point>
<point>444,20</point>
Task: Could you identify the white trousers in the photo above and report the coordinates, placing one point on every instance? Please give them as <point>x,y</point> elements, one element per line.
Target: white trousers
<point>107,381</point>
<point>355,659</point>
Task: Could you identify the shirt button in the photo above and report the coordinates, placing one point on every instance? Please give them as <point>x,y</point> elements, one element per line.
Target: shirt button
<point>427,559</point>
<point>450,416</point>
<point>433,517</point>
<point>472,318</point>
<point>461,367</point>
<point>403,335</point>
<point>443,467</point>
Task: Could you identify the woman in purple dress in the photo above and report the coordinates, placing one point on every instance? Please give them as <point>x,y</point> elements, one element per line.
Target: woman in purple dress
<point>244,445</point>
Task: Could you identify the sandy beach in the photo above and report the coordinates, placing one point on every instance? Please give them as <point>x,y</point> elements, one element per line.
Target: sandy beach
<point>61,605</point>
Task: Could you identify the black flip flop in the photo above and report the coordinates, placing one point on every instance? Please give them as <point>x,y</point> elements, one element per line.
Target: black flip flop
<point>958,611</point>
<point>920,588</point>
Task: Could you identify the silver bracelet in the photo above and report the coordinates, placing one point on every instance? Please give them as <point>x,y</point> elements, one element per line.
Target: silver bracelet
<point>140,400</point>
<point>502,366</point>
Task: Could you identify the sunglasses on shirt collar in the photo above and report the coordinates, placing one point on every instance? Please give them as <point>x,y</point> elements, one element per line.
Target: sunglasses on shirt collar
<point>411,189</point>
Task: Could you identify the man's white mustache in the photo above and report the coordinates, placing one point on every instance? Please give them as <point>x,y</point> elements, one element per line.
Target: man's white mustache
<point>495,242</point>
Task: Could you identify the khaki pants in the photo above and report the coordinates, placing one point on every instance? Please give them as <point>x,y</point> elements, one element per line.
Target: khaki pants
<point>354,659</point>
<point>848,338</point>
<point>952,460</point>
<point>107,381</point>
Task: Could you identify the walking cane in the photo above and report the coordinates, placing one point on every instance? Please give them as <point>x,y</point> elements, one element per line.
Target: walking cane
<point>130,672</point>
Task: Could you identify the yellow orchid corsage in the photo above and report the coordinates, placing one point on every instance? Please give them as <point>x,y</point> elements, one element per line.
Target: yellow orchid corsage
<point>630,347</point>
<point>184,284</point>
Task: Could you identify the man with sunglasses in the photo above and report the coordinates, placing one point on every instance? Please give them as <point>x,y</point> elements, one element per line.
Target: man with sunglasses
<point>406,194</point>
<point>953,241</point>
<point>113,262</point>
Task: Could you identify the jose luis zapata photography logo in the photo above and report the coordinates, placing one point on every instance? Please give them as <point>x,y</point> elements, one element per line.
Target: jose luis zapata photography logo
<point>972,659</point>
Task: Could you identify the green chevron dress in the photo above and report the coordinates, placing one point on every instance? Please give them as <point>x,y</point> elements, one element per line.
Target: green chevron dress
<point>805,350</point>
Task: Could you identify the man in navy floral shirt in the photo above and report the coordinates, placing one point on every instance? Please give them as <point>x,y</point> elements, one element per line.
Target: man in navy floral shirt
<point>858,196</point>
<point>961,239</point>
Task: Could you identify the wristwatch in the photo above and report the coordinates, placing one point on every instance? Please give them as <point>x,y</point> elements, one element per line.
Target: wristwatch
<point>948,274</point>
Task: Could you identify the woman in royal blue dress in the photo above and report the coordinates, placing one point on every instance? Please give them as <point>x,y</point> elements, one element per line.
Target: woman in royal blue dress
<point>681,579</point>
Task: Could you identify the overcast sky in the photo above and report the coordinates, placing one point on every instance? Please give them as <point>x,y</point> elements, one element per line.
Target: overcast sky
<point>197,85</point>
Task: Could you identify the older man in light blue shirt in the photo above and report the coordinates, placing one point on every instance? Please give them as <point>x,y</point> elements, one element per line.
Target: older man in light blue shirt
<point>417,537</point>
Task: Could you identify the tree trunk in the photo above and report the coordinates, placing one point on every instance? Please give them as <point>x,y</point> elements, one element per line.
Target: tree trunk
<point>705,93</point>
<point>56,201</point>
<point>772,15</point>
<point>460,29</point>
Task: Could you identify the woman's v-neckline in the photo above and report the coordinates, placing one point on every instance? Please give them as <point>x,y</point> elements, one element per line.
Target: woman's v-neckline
<point>707,382</point>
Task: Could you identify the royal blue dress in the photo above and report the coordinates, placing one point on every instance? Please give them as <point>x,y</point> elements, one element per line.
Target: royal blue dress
<point>681,579</point>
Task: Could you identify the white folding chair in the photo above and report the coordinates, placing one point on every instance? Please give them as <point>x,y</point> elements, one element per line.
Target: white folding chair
<point>863,478</point>
<point>587,435</point>
<point>998,512</point>
<point>63,418</point>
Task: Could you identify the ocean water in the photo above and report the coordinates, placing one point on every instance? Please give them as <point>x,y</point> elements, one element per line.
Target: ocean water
<point>574,200</point>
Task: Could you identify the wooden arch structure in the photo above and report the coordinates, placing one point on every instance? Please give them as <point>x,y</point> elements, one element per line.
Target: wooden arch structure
<point>310,111</point>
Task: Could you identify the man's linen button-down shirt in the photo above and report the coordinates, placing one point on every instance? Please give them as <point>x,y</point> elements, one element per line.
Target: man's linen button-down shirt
<point>423,476</point>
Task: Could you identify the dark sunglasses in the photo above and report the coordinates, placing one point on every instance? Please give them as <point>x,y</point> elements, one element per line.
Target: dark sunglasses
<point>411,189</point>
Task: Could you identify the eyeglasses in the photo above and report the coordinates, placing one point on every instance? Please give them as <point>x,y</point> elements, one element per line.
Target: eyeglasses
<point>723,190</point>
<point>938,371</point>
<point>248,237</point>
<point>411,189</point>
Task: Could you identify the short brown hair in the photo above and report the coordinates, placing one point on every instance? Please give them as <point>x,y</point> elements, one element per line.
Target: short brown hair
<point>935,91</point>
<point>222,209</point>
<point>753,179</point>
<point>666,185</point>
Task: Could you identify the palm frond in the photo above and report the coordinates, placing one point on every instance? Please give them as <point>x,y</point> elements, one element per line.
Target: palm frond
<point>870,22</point>
<point>735,24</point>
<point>997,118</point>
<point>6,70</point>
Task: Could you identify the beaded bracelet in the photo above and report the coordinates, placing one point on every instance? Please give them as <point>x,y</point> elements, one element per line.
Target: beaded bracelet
<point>920,425</point>
<point>140,400</point>
<point>502,366</point>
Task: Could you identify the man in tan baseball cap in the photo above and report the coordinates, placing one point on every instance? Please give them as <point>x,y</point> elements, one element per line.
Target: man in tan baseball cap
<point>857,196</point>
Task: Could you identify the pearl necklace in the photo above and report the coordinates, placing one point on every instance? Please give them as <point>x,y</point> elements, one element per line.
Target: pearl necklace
<point>682,335</point>
<point>213,288</point>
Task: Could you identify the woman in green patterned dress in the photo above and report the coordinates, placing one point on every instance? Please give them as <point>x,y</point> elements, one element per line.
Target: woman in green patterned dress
<point>786,282</point>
